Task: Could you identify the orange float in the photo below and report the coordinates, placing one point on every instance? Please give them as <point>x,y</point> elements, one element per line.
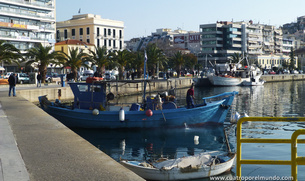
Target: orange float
<point>91,79</point>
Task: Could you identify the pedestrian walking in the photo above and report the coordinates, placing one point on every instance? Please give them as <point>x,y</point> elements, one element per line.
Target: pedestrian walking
<point>12,82</point>
<point>39,79</point>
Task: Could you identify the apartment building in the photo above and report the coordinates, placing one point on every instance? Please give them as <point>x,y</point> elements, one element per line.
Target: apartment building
<point>222,39</point>
<point>169,41</point>
<point>26,23</point>
<point>92,29</point>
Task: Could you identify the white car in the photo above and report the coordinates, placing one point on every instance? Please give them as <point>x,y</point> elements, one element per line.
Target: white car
<point>6,76</point>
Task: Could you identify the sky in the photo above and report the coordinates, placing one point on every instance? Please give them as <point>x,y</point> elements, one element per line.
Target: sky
<point>143,17</point>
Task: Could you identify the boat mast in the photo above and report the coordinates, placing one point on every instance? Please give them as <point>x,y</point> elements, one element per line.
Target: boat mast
<point>145,76</point>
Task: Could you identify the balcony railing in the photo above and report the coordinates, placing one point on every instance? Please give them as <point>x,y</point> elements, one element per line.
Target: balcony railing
<point>33,3</point>
<point>21,13</point>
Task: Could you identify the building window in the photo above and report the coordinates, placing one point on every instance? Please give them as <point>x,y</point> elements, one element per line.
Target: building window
<point>109,31</point>
<point>66,34</point>
<point>105,32</point>
<point>98,42</point>
<point>73,32</point>
<point>105,43</point>
<point>109,43</point>
<point>81,31</point>
<point>113,33</point>
<point>113,43</point>
<point>88,40</point>
<point>62,49</point>
<point>120,44</point>
<point>97,31</point>
<point>88,31</point>
<point>120,33</point>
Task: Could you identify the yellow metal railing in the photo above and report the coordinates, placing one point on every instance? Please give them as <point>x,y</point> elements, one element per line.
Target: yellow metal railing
<point>295,160</point>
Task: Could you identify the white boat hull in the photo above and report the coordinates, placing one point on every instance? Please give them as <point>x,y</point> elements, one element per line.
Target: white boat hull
<point>226,81</point>
<point>178,173</point>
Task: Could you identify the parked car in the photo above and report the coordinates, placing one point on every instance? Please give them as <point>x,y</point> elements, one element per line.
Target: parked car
<point>301,71</point>
<point>7,75</point>
<point>272,72</point>
<point>286,71</point>
<point>52,77</point>
<point>109,76</point>
<point>23,78</point>
<point>86,74</point>
<point>294,72</point>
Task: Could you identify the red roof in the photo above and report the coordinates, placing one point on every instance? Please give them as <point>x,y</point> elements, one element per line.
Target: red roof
<point>74,42</point>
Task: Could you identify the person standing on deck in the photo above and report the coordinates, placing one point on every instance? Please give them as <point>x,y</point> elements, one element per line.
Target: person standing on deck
<point>190,97</point>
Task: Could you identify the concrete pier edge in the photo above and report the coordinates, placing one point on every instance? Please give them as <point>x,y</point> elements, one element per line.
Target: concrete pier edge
<point>35,146</point>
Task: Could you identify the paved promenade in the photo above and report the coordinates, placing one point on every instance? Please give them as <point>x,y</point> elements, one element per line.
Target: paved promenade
<point>34,146</point>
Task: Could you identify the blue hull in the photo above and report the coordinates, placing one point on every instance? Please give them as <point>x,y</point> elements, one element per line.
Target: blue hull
<point>213,112</point>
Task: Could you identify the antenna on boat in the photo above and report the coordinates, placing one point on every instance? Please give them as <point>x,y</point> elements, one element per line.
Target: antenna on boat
<point>227,141</point>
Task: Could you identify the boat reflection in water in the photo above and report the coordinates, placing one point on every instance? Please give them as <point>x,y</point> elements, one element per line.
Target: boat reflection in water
<point>155,143</point>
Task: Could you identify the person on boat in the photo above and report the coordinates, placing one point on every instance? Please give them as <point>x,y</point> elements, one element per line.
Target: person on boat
<point>159,102</point>
<point>190,97</point>
<point>12,80</point>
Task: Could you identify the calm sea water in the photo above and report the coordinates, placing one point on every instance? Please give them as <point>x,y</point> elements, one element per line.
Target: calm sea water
<point>283,99</point>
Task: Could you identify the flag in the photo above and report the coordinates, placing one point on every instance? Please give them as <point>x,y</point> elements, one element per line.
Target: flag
<point>79,10</point>
<point>145,57</point>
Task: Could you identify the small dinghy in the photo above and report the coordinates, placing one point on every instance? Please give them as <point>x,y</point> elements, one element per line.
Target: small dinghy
<point>200,165</point>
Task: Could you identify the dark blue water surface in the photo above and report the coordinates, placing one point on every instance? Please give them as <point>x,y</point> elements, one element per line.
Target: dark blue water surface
<point>282,99</point>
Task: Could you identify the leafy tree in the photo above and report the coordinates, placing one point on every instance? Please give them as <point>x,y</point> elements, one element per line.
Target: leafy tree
<point>75,60</point>
<point>177,61</point>
<point>99,57</point>
<point>9,53</point>
<point>43,56</point>
<point>190,60</point>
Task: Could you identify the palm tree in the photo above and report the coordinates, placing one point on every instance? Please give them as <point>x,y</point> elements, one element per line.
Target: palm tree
<point>155,56</point>
<point>75,60</point>
<point>138,63</point>
<point>120,59</point>
<point>177,61</point>
<point>236,57</point>
<point>9,53</point>
<point>99,57</point>
<point>43,56</point>
<point>292,59</point>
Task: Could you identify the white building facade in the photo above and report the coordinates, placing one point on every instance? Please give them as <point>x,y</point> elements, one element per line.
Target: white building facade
<point>93,29</point>
<point>26,24</point>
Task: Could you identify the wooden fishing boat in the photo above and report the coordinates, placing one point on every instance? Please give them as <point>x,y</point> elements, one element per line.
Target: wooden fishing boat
<point>191,167</point>
<point>91,110</point>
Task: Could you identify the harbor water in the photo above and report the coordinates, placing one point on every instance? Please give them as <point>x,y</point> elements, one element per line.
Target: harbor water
<point>280,99</point>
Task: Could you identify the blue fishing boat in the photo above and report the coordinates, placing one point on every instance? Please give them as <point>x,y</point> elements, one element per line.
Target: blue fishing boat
<point>91,109</point>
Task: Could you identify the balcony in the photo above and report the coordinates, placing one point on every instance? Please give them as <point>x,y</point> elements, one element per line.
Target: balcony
<point>23,14</point>
<point>33,4</point>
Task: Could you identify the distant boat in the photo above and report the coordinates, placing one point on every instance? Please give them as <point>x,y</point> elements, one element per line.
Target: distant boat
<point>249,76</point>
<point>191,167</point>
<point>91,110</point>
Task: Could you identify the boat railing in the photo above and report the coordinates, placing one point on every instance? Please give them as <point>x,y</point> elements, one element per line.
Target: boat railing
<point>219,96</point>
<point>295,160</point>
